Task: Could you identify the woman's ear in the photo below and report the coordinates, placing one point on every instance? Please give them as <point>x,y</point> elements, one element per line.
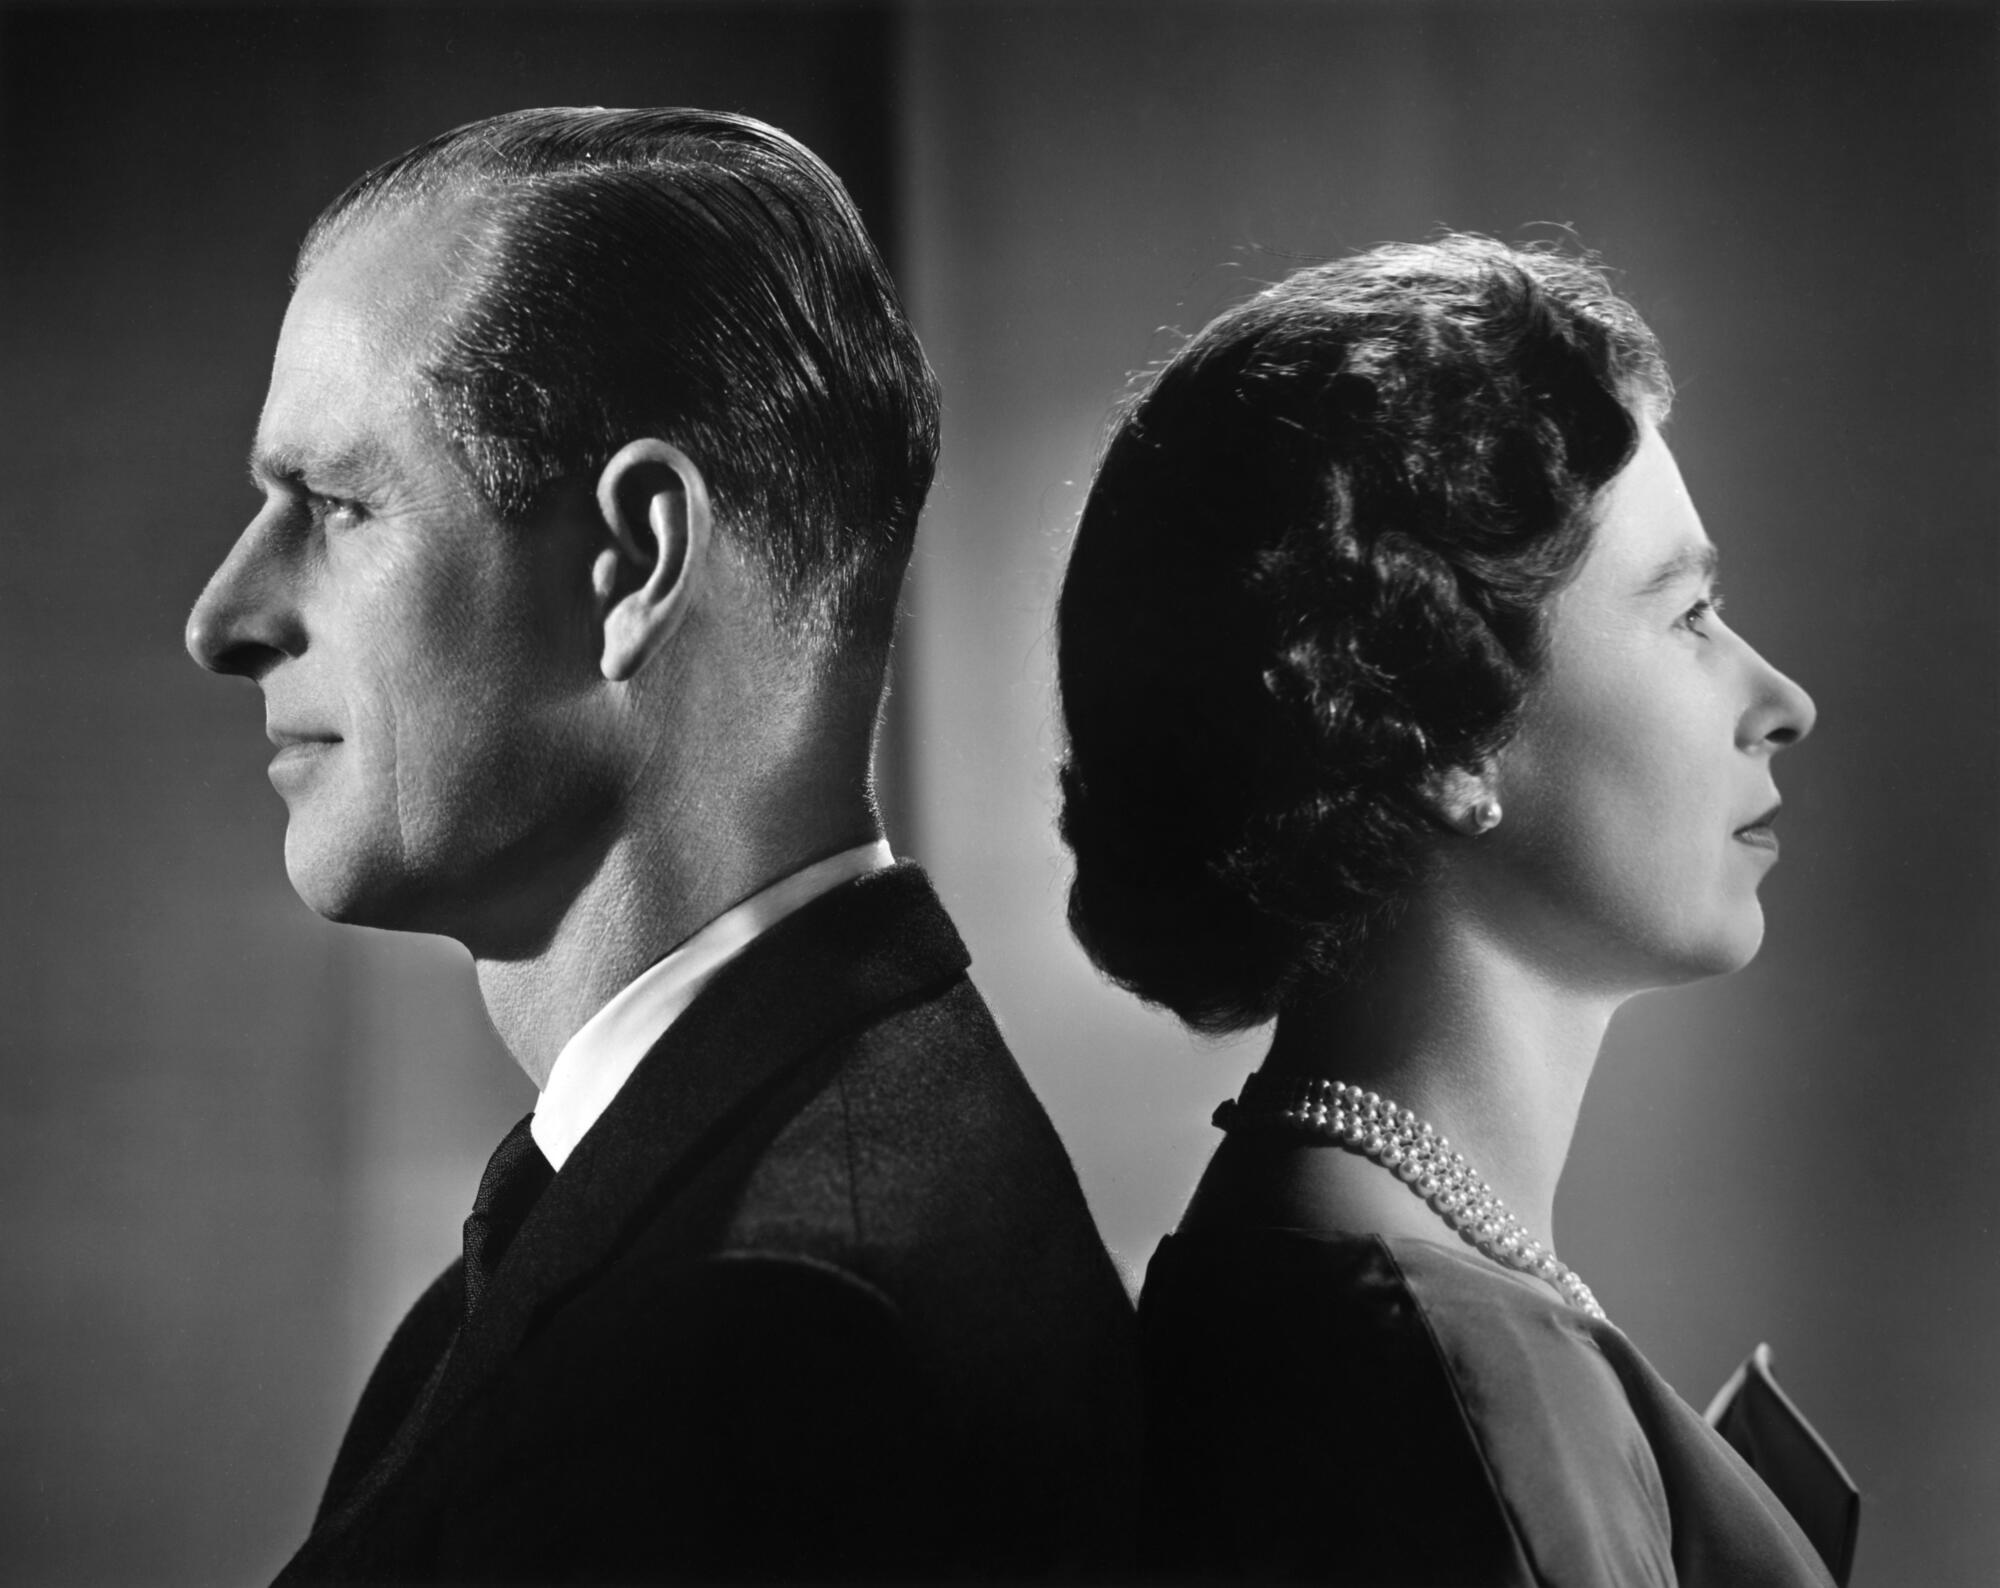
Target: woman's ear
<point>654,504</point>
<point>1463,799</point>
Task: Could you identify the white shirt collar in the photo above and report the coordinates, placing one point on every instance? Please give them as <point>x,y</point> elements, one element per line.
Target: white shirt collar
<point>607,1048</point>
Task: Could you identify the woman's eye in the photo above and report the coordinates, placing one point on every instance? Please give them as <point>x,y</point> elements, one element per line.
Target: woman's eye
<point>1695,619</point>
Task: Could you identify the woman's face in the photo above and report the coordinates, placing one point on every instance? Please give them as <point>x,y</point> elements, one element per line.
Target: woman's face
<point>1638,793</point>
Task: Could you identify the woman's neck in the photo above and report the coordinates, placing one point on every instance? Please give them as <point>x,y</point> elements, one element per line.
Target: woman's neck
<point>1485,1050</point>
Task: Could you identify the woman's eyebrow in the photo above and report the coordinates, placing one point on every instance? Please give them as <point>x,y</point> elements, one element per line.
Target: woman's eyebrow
<point>1701,560</point>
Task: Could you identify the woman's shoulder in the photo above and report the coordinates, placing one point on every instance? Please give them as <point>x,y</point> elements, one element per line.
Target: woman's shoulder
<point>1444,1418</point>
<point>1476,1317</point>
<point>1529,1379</point>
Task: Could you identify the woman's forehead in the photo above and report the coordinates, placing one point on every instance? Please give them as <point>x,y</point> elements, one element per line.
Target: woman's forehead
<point>1648,534</point>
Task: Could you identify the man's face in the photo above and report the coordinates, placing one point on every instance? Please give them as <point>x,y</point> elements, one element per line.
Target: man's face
<point>427,669</point>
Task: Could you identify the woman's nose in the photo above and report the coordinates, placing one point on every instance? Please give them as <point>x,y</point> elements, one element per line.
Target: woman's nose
<point>245,621</point>
<point>1781,713</point>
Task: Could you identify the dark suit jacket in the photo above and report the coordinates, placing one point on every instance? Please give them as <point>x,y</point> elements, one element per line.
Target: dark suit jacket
<point>818,1296</point>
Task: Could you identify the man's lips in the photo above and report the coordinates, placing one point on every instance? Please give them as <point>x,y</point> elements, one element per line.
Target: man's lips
<point>297,750</point>
<point>1760,834</point>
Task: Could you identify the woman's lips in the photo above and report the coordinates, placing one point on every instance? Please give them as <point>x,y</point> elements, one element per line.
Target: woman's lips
<point>1760,834</point>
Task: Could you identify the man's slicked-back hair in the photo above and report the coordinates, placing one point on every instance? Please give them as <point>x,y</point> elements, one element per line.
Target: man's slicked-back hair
<point>692,275</point>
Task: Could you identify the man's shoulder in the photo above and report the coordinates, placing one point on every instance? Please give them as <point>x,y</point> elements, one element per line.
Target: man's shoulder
<point>841,1092</point>
<point>903,1105</point>
<point>890,1215</point>
<point>819,1288</point>
<point>922,1116</point>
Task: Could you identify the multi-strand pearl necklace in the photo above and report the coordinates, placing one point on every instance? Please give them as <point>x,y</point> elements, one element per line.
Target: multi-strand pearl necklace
<point>1376,1128</point>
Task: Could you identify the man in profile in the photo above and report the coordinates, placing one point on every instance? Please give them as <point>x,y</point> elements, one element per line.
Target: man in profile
<point>591,462</point>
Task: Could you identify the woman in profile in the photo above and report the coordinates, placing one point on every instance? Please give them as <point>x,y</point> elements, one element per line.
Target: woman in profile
<point>1401,711</point>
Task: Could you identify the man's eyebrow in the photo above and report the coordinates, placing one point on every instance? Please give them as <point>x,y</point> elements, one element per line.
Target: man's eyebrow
<point>1689,562</point>
<point>296,466</point>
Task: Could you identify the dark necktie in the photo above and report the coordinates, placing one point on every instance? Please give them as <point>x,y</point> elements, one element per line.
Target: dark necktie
<point>516,1175</point>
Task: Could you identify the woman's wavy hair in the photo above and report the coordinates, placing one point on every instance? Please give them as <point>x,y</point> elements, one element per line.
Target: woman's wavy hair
<point>1311,578</point>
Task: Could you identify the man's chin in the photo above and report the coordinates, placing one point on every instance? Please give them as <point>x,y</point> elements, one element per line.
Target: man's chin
<point>342,889</point>
<point>504,900</point>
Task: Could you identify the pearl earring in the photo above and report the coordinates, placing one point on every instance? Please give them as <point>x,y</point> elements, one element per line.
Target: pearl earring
<point>1484,815</point>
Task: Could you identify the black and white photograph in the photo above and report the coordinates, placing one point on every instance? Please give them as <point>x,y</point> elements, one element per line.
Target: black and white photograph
<point>967,790</point>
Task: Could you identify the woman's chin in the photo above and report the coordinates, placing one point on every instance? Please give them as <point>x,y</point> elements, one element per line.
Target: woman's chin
<point>1721,951</point>
<point>1695,951</point>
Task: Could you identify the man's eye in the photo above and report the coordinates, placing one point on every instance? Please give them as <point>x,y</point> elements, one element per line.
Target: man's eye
<point>335,512</point>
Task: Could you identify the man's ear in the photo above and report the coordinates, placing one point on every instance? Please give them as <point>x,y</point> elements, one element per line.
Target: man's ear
<point>1464,799</point>
<point>654,504</point>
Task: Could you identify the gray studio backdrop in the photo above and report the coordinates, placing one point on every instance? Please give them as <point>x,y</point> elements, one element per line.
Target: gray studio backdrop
<point>235,1141</point>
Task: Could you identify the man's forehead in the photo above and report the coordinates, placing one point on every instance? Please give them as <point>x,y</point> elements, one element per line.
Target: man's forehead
<point>353,336</point>
<point>398,265</point>
<point>383,286</point>
<point>334,388</point>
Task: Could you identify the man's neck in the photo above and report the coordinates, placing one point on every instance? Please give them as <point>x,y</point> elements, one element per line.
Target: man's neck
<point>642,902</point>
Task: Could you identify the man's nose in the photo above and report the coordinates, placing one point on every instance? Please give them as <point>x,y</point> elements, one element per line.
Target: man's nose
<point>245,620</point>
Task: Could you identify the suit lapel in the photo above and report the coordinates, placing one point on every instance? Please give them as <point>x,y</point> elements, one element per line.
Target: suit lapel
<point>828,968</point>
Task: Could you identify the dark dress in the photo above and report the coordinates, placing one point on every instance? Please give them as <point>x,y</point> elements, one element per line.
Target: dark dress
<point>1367,1409</point>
